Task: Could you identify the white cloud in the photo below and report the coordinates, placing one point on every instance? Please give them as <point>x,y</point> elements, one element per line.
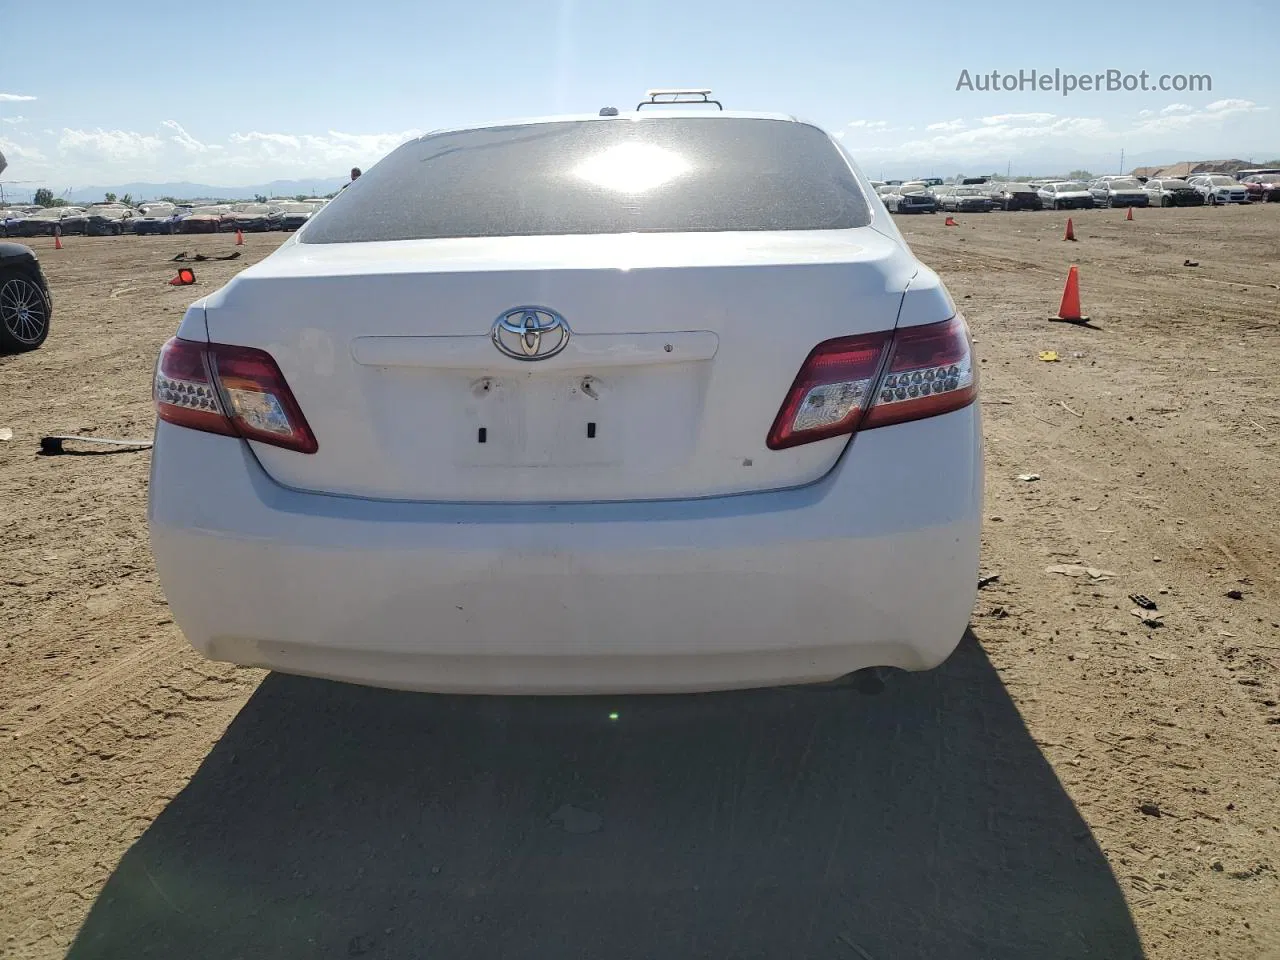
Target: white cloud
<point>869,124</point>
<point>185,140</point>
<point>14,98</point>
<point>115,147</point>
<point>1004,119</point>
<point>20,153</point>
<point>1180,116</point>
<point>312,154</point>
<point>947,125</point>
<point>14,119</point>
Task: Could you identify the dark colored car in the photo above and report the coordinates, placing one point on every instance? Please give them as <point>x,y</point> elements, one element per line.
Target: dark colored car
<point>203,220</point>
<point>25,304</point>
<point>107,219</point>
<point>74,223</point>
<point>911,197</point>
<point>44,222</point>
<point>1263,187</point>
<point>1015,196</point>
<point>160,218</point>
<point>295,214</point>
<point>253,218</point>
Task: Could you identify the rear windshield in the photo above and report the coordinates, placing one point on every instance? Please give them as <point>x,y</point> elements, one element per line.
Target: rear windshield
<point>685,174</point>
<point>1125,185</point>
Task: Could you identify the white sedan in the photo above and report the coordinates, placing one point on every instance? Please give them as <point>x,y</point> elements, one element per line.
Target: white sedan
<point>640,403</point>
<point>1218,189</point>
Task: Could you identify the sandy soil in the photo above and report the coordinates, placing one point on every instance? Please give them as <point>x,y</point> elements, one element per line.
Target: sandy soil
<point>1073,783</point>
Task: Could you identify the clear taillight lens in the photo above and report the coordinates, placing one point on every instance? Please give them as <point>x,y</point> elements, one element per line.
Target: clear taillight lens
<point>234,391</point>
<point>858,383</point>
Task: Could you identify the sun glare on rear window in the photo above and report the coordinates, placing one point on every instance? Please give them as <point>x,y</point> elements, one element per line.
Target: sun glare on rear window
<point>625,175</point>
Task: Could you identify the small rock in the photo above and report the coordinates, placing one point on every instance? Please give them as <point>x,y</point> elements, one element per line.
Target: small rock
<point>1235,595</point>
<point>1216,866</point>
<point>1151,810</point>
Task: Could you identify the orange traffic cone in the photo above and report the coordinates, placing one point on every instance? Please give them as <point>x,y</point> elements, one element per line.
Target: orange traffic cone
<point>950,222</point>
<point>1071,230</point>
<point>57,238</point>
<point>1069,312</point>
<point>239,238</point>
<point>1129,215</point>
<point>186,276</point>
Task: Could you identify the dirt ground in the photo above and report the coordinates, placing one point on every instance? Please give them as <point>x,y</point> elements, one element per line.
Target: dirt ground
<point>1072,783</point>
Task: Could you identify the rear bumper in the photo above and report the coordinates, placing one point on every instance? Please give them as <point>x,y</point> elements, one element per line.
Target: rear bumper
<point>875,565</point>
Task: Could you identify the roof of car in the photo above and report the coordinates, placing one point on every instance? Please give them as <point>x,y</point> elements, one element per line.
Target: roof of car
<point>623,117</point>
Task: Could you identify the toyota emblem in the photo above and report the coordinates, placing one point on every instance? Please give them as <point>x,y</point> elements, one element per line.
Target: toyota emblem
<point>531,333</point>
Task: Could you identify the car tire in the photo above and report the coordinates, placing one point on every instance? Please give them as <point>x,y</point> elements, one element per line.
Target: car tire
<point>24,312</point>
<point>1166,202</point>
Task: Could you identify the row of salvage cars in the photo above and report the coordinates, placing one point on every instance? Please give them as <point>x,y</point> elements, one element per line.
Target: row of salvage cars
<point>116,219</point>
<point>930,196</point>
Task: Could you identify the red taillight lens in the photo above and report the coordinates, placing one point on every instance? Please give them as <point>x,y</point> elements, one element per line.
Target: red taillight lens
<point>858,383</point>
<point>235,391</point>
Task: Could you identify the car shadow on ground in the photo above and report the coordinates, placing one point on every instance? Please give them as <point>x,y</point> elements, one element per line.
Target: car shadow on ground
<point>337,821</point>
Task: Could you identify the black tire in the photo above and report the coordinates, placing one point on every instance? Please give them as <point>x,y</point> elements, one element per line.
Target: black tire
<point>24,312</point>
<point>1166,201</point>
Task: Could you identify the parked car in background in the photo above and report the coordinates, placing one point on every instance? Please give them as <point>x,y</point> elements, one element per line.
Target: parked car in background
<point>911,197</point>
<point>252,217</point>
<point>46,221</point>
<point>1218,189</point>
<point>930,181</point>
<point>25,304</point>
<point>342,490</point>
<point>7,217</point>
<point>1015,196</point>
<point>74,222</point>
<point>885,193</point>
<point>1263,187</point>
<point>1243,175</point>
<point>966,199</point>
<point>1118,192</point>
<point>107,219</point>
<point>1172,192</point>
<point>203,219</point>
<point>1066,195</point>
<point>157,218</point>
<point>294,213</point>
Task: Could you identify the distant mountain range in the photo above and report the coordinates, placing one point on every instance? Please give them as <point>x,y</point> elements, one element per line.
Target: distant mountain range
<point>185,190</point>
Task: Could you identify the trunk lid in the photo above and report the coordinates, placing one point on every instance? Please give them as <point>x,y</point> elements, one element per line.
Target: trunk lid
<point>682,348</point>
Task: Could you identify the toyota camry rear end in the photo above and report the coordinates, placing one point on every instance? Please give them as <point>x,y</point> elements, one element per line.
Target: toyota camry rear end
<point>622,404</point>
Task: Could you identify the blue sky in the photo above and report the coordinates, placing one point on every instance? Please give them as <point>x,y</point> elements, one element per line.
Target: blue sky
<point>243,91</point>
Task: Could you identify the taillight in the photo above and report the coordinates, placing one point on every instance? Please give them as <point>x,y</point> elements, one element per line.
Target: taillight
<point>858,383</point>
<point>234,391</point>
